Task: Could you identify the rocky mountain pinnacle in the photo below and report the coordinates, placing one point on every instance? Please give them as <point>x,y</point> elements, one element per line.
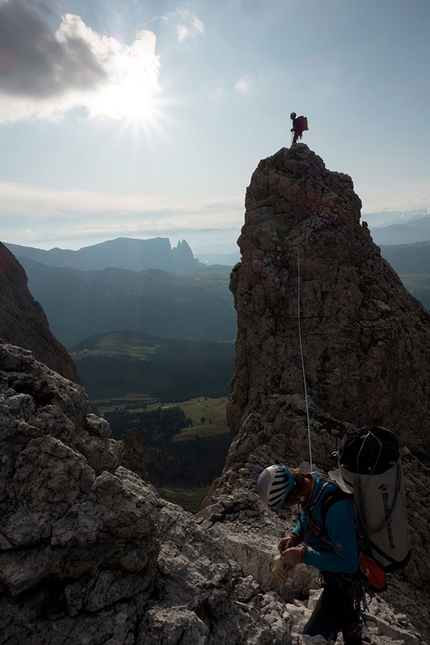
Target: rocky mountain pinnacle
<point>89,552</point>
<point>366,340</point>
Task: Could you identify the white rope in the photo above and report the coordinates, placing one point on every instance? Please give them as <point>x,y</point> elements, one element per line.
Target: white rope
<point>302,358</point>
<point>299,323</point>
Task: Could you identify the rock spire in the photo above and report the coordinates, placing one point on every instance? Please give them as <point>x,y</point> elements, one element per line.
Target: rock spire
<point>366,340</point>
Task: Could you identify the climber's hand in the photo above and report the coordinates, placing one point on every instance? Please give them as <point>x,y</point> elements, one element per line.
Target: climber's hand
<point>292,556</point>
<point>286,543</point>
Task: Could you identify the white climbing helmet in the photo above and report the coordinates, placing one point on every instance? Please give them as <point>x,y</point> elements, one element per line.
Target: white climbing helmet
<point>274,485</point>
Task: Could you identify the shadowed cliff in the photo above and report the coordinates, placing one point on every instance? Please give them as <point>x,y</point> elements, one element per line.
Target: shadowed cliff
<point>23,321</point>
<point>366,340</point>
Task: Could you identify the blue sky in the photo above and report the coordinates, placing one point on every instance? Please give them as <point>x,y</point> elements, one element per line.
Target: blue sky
<point>141,118</point>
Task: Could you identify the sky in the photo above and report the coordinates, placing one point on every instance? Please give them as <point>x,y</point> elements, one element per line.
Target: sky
<point>146,118</point>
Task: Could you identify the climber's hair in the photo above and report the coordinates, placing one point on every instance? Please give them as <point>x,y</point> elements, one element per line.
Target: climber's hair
<point>299,478</point>
<point>299,486</point>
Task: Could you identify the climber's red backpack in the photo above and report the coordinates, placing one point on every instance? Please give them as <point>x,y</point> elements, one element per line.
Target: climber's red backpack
<point>303,120</point>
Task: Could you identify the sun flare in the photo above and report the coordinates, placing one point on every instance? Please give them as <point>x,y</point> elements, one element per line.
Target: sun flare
<point>129,90</point>
<point>130,100</point>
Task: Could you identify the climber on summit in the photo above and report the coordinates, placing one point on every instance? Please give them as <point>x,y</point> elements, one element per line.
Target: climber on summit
<point>300,124</point>
<point>329,530</point>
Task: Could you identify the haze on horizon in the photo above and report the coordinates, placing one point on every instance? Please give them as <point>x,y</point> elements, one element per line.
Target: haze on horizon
<point>146,118</point>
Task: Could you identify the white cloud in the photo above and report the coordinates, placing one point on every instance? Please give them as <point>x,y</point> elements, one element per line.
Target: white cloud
<point>32,203</point>
<point>187,24</point>
<point>21,199</point>
<point>243,84</point>
<point>45,73</point>
<point>189,27</point>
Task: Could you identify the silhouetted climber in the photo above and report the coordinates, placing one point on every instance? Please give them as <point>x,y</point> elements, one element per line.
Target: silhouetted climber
<point>300,124</point>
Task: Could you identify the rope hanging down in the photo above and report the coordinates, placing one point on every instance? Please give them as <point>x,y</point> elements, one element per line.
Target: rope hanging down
<point>299,325</point>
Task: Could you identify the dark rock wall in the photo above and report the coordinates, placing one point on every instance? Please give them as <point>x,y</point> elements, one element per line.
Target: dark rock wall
<point>366,340</point>
<point>23,321</point>
<point>89,553</point>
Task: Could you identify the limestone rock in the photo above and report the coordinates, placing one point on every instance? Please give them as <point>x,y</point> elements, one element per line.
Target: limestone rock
<point>133,453</point>
<point>89,553</point>
<point>23,321</point>
<point>366,340</point>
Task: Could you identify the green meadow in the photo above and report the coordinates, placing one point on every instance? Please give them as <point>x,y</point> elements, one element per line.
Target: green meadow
<point>185,443</point>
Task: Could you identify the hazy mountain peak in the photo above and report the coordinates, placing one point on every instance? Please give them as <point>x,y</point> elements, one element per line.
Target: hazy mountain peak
<point>122,253</point>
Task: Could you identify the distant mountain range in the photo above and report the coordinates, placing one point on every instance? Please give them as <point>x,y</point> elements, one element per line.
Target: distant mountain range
<point>409,232</point>
<point>386,217</point>
<point>408,258</point>
<point>412,263</point>
<point>122,253</point>
<point>193,305</point>
<point>226,259</point>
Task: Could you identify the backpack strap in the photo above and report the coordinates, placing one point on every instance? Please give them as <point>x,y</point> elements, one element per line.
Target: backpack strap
<point>330,497</point>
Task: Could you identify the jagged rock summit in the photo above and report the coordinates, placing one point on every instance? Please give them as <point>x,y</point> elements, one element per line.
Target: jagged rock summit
<point>366,340</point>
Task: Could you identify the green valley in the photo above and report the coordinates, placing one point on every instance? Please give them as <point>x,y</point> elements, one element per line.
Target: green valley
<point>175,393</point>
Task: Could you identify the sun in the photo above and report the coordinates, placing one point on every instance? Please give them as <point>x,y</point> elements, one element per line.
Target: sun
<point>131,100</point>
<point>130,93</point>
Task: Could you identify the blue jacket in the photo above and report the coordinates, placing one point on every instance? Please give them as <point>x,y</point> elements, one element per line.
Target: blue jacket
<point>341,528</point>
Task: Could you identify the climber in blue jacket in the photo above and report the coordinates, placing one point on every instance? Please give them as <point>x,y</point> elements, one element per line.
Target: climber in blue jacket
<point>327,532</point>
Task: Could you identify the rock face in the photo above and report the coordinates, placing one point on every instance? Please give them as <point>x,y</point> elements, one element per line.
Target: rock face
<point>183,256</point>
<point>23,322</point>
<point>366,341</point>
<point>133,453</point>
<point>89,553</point>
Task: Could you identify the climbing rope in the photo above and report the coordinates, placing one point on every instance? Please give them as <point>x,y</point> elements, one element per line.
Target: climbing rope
<point>299,326</point>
